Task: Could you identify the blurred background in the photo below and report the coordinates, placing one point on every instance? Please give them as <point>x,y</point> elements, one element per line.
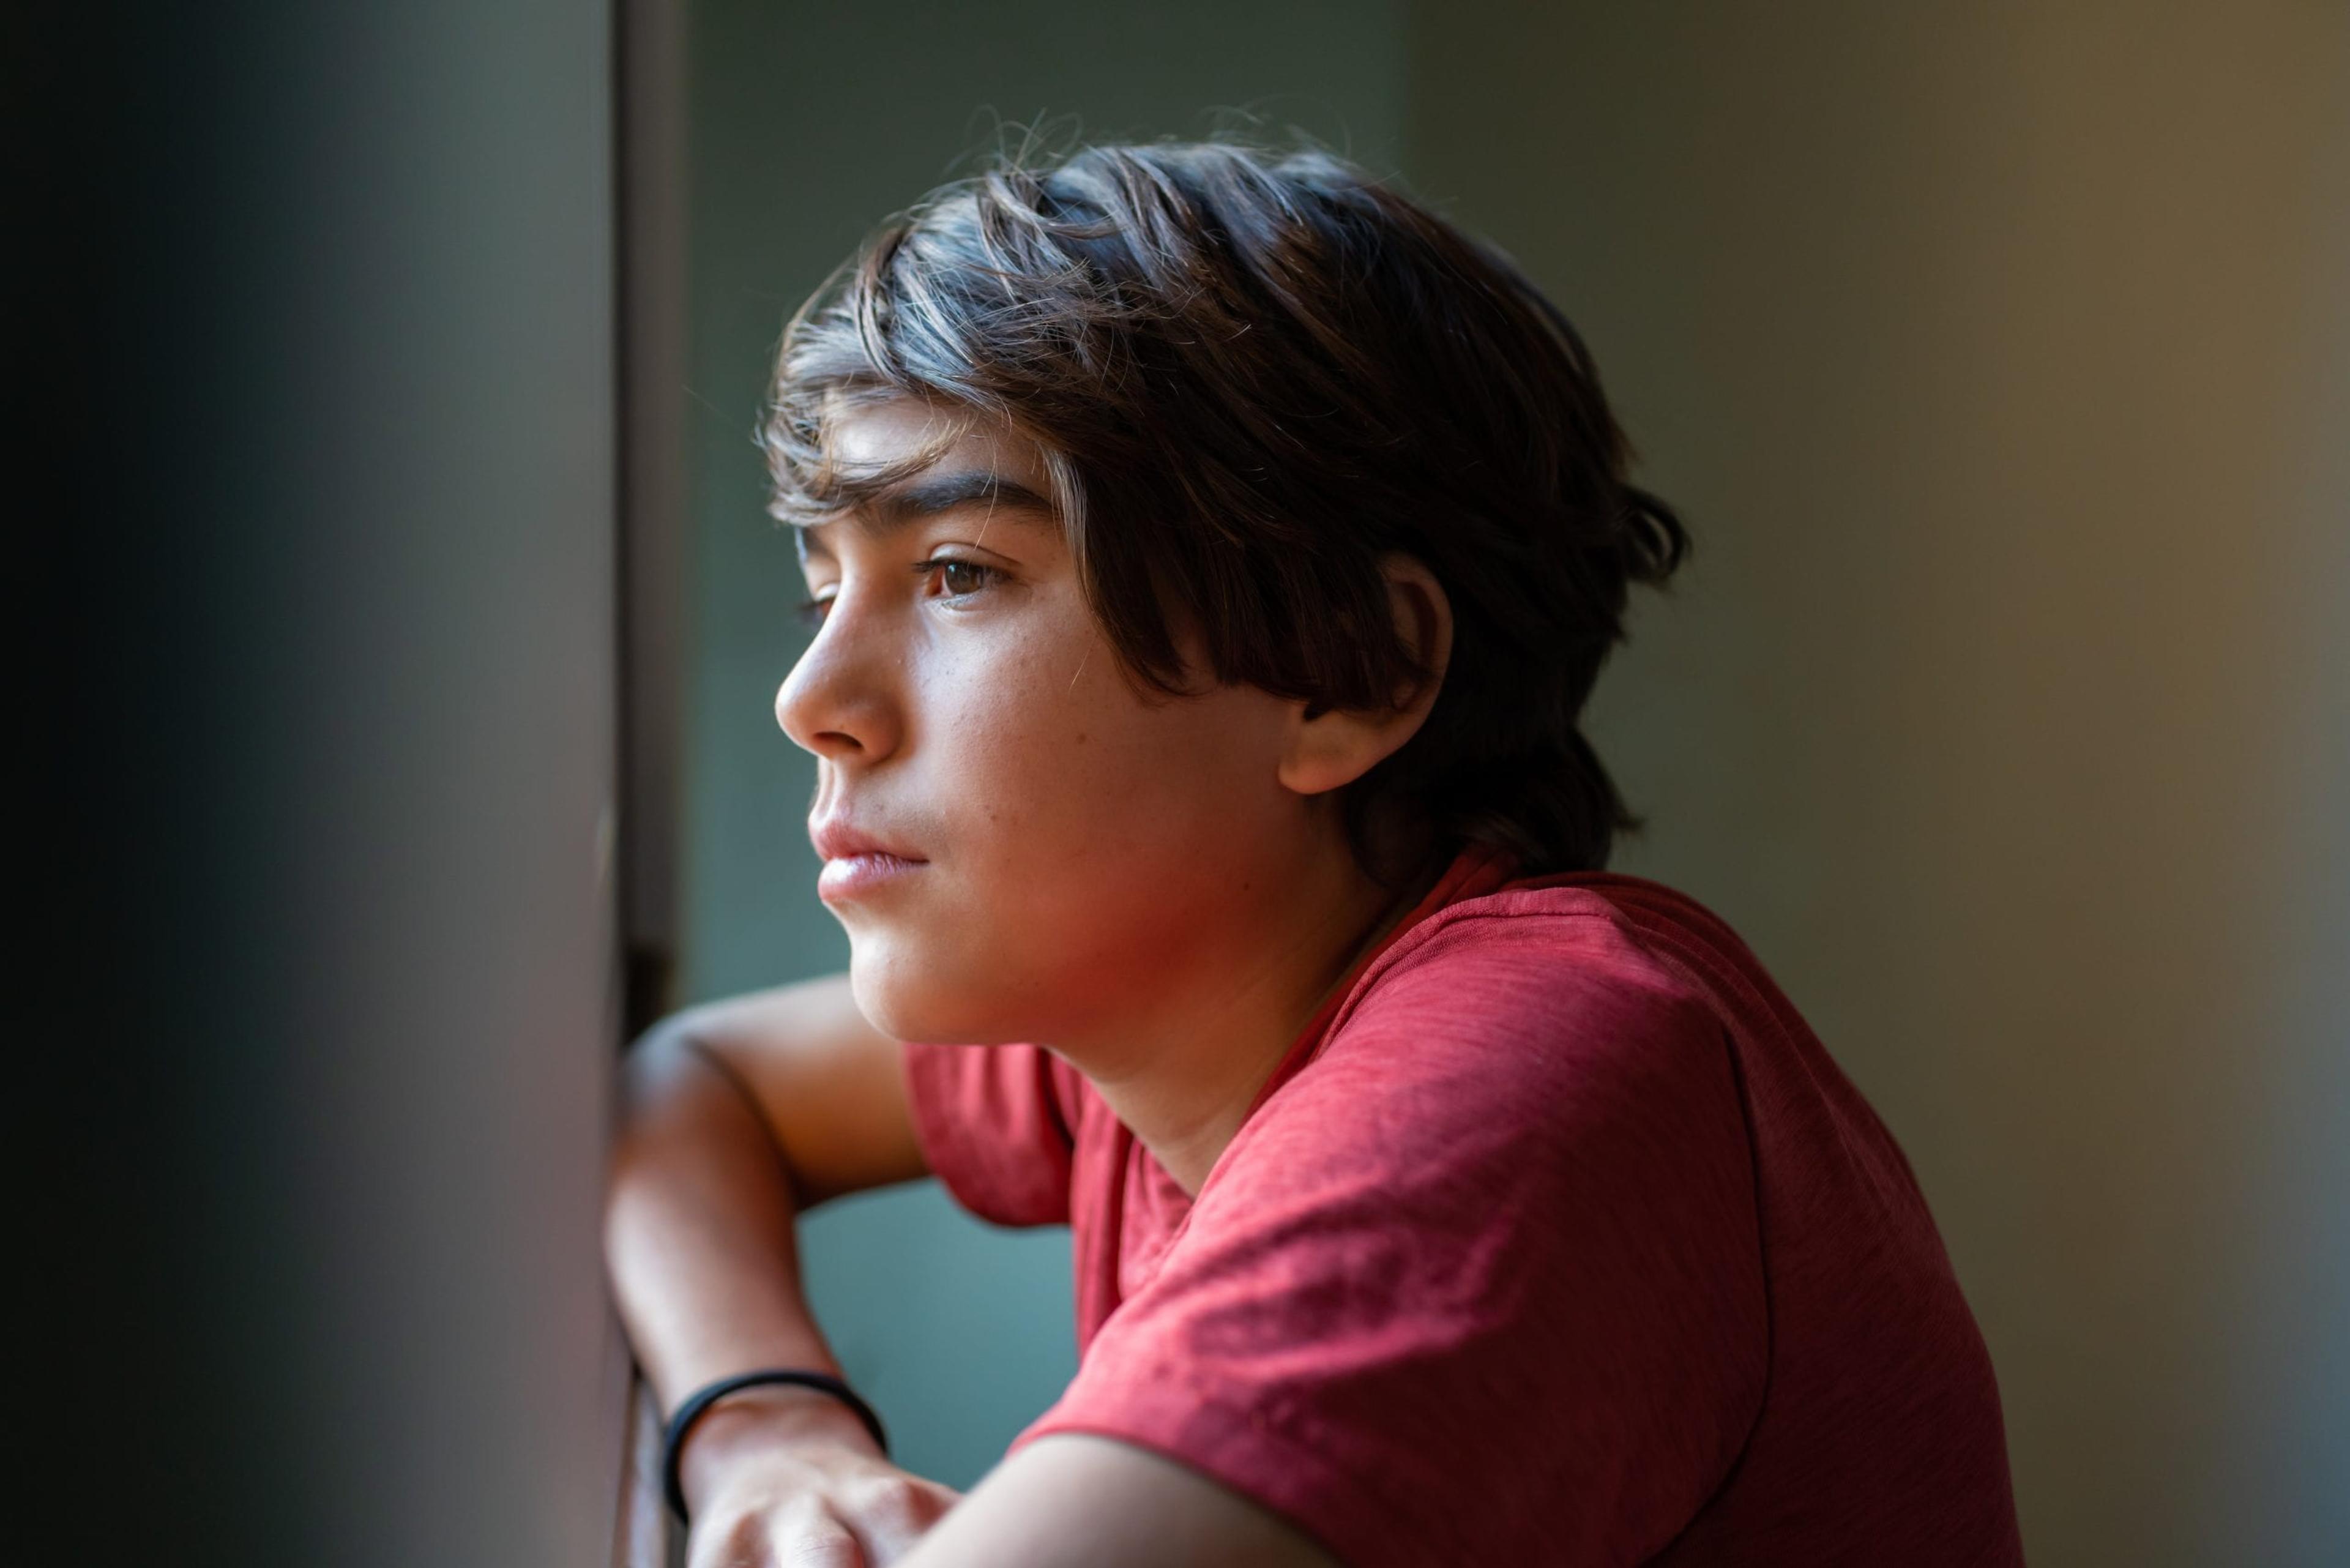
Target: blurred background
<point>403,625</point>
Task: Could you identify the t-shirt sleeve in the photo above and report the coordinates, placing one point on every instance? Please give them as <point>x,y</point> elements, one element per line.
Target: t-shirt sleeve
<point>1482,1285</point>
<point>995,1128</point>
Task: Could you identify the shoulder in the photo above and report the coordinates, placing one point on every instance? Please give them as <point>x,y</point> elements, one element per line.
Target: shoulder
<point>1517,1053</point>
<point>1532,992</point>
<point>1595,933</point>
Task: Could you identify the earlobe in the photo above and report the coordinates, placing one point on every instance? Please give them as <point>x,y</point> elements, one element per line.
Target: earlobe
<point>1327,752</point>
<point>1331,748</point>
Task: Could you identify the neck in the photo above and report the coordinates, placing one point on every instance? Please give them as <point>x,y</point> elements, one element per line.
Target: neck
<point>1185,1078</point>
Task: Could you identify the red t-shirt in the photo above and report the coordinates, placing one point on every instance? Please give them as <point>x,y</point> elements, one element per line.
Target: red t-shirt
<point>1558,1238</point>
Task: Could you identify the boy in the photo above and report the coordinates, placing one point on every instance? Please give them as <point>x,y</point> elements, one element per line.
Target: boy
<point>1212,552</point>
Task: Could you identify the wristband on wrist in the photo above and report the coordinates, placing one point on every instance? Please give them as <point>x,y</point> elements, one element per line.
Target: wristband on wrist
<point>702,1398</point>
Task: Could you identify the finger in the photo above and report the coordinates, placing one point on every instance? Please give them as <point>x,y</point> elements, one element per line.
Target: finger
<point>736,1540</point>
<point>820,1543</point>
<point>799,1539</point>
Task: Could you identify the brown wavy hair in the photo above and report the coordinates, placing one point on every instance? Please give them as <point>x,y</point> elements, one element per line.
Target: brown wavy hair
<point>1251,373</point>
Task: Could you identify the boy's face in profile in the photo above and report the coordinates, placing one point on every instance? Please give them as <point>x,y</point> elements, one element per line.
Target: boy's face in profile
<point>1020,844</point>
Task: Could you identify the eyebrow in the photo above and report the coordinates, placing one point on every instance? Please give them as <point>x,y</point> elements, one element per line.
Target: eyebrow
<point>903,505</point>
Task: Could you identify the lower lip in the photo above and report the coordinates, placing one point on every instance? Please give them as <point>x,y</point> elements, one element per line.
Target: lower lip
<point>854,875</point>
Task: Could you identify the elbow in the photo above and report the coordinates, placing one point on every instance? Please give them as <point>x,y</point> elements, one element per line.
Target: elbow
<point>650,1064</point>
<point>662,1111</point>
<point>676,1088</point>
<point>663,1062</point>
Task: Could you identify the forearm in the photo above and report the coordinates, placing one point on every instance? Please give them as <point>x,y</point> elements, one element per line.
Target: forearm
<point>698,1240</point>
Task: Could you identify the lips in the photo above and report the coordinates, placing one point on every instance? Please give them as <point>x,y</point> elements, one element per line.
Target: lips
<point>858,861</point>
<point>837,838</point>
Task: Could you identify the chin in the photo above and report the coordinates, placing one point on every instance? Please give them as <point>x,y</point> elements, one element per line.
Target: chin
<point>908,997</point>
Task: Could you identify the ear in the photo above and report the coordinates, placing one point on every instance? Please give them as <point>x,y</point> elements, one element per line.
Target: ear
<point>1330,748</point>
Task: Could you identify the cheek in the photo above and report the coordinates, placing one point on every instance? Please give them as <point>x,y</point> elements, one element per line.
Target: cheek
<point>1068,769</point>
<point>1086,834</point>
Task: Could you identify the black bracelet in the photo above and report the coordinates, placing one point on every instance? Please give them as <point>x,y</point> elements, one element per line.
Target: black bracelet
<point>673,1440</point>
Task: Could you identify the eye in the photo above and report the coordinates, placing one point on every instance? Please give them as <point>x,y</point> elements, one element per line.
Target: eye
<point>957,578</point>
<point>811,612</point>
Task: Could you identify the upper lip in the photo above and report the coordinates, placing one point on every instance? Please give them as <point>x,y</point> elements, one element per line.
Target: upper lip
<point>837,838</point>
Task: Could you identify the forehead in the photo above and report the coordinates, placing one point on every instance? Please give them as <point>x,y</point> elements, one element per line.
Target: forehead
<point>875,437</point>
<point>906,461</point>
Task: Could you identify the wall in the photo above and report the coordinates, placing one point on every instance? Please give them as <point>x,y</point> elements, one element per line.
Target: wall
<point>2000,357</point>
<point>310,1036</point>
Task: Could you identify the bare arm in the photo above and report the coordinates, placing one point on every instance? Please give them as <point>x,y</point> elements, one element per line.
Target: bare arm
<point>736,1116</point>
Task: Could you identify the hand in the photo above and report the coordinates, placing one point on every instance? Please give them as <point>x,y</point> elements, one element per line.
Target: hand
<point>801,1486</point>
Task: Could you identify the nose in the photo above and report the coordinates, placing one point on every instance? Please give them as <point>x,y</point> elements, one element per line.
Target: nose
<point>838,701</point>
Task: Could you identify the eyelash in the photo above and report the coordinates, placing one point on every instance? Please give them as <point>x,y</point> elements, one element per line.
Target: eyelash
<point>986,574</point>
<point>812,611</point>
